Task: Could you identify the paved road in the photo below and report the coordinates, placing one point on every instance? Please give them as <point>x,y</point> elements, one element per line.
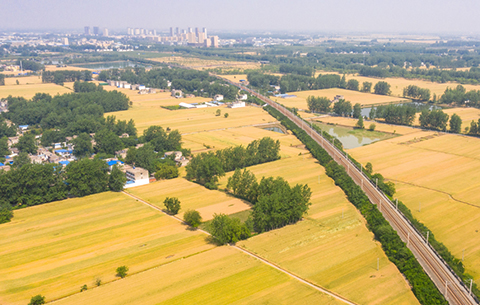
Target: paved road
<point>444,278</point>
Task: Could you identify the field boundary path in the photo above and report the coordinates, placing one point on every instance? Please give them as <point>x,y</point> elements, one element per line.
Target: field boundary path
<point>447,282</point>
<point>261,259</point>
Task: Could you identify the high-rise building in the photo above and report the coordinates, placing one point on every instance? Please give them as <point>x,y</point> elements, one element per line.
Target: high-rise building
<point>96,30</point>
<point>87,30</point>
<point>171,31</point>
<point>214,40</point>
<point>201,37</point>
<point>190,30</point>
<point>205,32</point>
<point>154,32</point>
<point>65,41</point>
<point>142,31</point>
<point>191,37</point>
<point>196,31</point>
<point>177,31</point>
<point>105,32</point>
<point>137,31</point>
<point>130,31</point>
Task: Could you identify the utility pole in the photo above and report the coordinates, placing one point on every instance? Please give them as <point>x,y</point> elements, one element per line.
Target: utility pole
<point>376,182</point>
<point>471,283</point>
<point>428,233</point>
<point>396,204</point>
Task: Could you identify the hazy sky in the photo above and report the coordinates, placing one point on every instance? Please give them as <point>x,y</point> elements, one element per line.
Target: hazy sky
<point>401,16</point>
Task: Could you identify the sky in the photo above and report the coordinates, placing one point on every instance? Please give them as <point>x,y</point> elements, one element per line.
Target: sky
<point>332,16</point>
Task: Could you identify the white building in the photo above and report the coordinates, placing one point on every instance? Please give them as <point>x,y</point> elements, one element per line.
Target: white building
<point>218,97</point>
<point>242,97</point>
<point>237,105</point>
<point>136,176</point>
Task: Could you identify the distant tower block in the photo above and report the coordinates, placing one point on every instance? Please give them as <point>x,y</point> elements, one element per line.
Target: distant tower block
<point>96,30</point>
<point>87,30</point>
<point>177,31</point>
<point>190,30</point>
<point>196,32</point>
<point>205,32</point>
<point>105,32</point>
<point>171,31</point>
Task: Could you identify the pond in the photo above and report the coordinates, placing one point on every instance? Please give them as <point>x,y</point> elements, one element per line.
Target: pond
<point>418,105</point>
<point>275,129</point>
<point>108,65</point>
<point>352,138</point>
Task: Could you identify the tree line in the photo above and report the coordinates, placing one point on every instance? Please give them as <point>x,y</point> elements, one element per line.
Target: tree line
<point>395,249</point>
<point>206,168</point>
<point>60,77</point>
<point>199,83</point>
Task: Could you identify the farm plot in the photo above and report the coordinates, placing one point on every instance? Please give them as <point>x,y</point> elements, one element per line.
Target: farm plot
<point>191,195</point>
<point>54,249</point>
<point>202,64</point>
<point>23,80</point>
<point>331,247</point>
<point>193,120</point>
<point>219,276</point>
<point>437,177</point>
<point>28,91</point>
<point>353,96</point>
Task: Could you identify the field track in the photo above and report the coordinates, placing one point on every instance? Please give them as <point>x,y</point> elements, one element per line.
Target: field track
<point>448,283</point>
<point>304,281</point>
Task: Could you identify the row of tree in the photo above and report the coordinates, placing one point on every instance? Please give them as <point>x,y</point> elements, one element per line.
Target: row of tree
<point>60,77</point>
<point>416,92</point>
<point>395,249</point>
<point>206,168</point>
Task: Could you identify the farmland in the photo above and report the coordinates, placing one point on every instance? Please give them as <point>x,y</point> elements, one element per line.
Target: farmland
<point>397,84</point>
<point>23,80</point>
<point>55,248</point>
<point>28,91</point>
<point>191,120</point>
<point>354,97</point>
<point>436,175</point>
<point>219,276</point>
<point>202,64</point>
<point>332,247</point>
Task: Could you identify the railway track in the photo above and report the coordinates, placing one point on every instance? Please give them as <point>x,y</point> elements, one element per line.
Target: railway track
<point>448,283</point>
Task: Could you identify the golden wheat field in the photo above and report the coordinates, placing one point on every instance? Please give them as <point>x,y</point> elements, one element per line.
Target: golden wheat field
<point>23,80</point>
<point>28,91</point>
<point>219,276</point>
<point>439,175</point>
<point>55,248</point>
<point>365,99</point>
<point>192,120</point>
<point>202,64</point>
<point>331,247</point>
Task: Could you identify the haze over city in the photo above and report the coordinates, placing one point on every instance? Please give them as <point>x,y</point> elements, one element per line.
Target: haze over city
<point>449,17</point>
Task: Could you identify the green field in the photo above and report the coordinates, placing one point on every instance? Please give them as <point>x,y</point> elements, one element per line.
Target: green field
<point>219,276</point>
<point>54,249</point>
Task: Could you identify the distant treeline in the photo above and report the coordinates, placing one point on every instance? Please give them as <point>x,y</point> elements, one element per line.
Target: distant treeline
<point>199,83</point>
<point>60,77</point>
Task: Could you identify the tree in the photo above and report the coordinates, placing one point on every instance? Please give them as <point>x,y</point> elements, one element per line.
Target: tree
<point>352,84</point>
<point>26,143</point>
<point>366,87</point>
<point>205,168</point>
<point>372,127</point>
<point>116,180</point>
<point>228,230</point>
<point>342,108</point>
<point>6,213</point>
<point>226,115</point>
<point>218,112</point>
<point>4,147</point>
<point>86,177</point>
<point>244,185</point>
<point>359,123</point>
<point>318,104</point>
<point>37,300</point>
<point>369,168</point>
<point>357,110</point>
<point>83,288</point>
<point>435,119</point>
<point>122,271</point>
<point>83,145</point>
<point>172,205</point>
<point>473,128</point>
<point>382,88</point>
<point>165,171</point>
<point>193,218</point>
<point>455,123</point>
<point>107,142</point>
<point>21,159</point>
